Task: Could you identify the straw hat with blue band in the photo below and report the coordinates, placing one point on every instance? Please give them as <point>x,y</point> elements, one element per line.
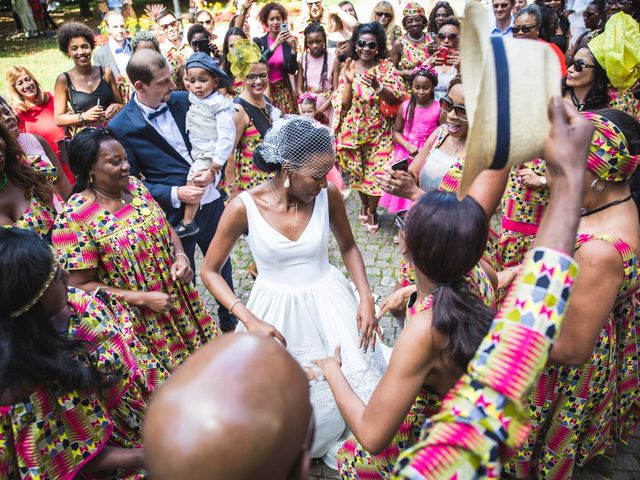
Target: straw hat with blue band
<point>507,85</point>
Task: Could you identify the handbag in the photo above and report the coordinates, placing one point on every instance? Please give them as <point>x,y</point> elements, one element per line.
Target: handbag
<point>388,110</point>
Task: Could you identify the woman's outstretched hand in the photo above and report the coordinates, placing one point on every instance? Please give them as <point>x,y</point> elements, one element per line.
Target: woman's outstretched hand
<point>367,324</point>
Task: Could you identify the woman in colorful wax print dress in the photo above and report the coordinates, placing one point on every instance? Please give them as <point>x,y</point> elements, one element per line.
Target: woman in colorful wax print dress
<point>364,135</point>
<point>591,376</point>
<point>253,118</point>
<point>411,50</point>
<point>74,380</point>
<point>299,297</point>
<point>445,239</point>
<point>114,237</point>
<point>26,188</point>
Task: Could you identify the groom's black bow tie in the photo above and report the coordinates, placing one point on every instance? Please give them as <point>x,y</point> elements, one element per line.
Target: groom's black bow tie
<point>157,113</point>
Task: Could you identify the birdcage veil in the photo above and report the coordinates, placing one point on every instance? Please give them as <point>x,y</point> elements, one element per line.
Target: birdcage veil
<point>299,145</point>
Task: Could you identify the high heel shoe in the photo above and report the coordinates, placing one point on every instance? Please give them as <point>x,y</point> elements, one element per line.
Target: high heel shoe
<point>362,216</point>
<point>372,227</point>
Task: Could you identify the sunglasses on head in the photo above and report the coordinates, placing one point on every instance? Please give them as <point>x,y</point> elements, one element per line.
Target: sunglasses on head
<point>447,105</point>
<point>371,45</point>
<point>523,29</point>
<point>578,65</point>
<point>383,14</point>
<point>167,26</point>
<point>450,36</point>
<point>398,220</point>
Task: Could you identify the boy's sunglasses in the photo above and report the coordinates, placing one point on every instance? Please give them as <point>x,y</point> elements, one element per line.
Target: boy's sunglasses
<point>578,65</point>
<point>446,105</point>
<point>363,43</point>
<point>524,28</point>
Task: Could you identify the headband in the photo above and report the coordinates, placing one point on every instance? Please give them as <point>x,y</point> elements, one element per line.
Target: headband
<point>45,285</point>
<point>307,96</point>
<point>242,56</point>
<point>413,9</point>
<point>609,157</point>
<point>421,69</point>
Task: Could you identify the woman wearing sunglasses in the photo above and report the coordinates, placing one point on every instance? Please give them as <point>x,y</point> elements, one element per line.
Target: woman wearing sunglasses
<point>586,83</point>
<point>412,49</point>
<point>529,24</point>
<point>446,58</point>
<point>384,14</point>
<point>364,136</point>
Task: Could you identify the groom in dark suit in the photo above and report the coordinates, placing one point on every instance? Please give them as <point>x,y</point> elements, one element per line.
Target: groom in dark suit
<point>151,128</point>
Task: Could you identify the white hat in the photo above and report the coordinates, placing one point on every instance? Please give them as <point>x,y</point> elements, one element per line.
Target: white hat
<point>507,85</point>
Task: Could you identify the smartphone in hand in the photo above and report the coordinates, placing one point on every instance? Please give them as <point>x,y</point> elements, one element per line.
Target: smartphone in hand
<point>401,165</point>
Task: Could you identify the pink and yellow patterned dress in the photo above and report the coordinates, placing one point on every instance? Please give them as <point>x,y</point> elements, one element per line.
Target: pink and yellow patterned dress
<point>522,209</point>
<point>39,215</point>
<point>354,462</point>
<point>413,55</point>
<point>364,137</point>
<point>625,101</point>
<point>52,434</point>
<point>580,412</point>
<point>482,418</point>
<point>132,250</point>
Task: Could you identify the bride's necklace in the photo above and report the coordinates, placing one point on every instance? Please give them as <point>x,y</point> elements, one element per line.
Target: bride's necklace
<point>288,205</point>
<point>120,199</point>
<point>416,40</point>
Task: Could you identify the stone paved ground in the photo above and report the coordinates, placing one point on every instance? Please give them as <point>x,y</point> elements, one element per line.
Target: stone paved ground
<point>382,258</point>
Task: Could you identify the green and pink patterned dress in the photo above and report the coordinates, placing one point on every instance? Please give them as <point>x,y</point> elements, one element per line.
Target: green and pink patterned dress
<point>354,462</point>
<point>580,412</point>
<point>522,210</point>
<point>52,434</point>
<point>482,418</point>
<point>364,136</point>
<point>132,250</point>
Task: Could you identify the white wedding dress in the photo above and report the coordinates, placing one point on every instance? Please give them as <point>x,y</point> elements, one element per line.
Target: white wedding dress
<point>312,304</point>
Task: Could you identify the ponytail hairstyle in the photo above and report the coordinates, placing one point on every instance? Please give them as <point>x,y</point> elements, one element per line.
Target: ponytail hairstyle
<point>315,27</point>
<point>445,239</point>
<point>83,152</point>
<point>420,71</point>
<point>21,174</point>
<point>31,349</point>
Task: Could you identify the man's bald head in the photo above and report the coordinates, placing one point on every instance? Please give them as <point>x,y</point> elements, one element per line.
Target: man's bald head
<point>237,409</point>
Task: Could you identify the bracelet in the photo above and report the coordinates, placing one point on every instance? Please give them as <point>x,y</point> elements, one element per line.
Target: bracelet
<point>233,305</point>
<point>181,254</point>
<point>80,117</point>
<point>379,89</point>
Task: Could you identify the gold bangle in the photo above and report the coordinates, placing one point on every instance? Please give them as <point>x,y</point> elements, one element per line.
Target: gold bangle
<point>233,305</point>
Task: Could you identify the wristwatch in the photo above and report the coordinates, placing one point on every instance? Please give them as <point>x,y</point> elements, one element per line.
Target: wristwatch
<point>543,181</point>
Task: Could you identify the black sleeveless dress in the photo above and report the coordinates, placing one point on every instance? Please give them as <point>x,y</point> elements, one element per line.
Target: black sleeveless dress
<point>83,101</point>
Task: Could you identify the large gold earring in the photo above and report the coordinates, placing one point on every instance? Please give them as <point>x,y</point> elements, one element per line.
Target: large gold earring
<point>91,178</point>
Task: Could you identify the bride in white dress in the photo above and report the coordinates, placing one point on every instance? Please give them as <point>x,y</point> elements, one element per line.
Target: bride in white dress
<point>298,296</point>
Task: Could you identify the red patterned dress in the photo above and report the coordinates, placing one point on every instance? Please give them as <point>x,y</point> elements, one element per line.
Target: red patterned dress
<point>52,434</point>
<point>132,250</point>
<point>580,412</point>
